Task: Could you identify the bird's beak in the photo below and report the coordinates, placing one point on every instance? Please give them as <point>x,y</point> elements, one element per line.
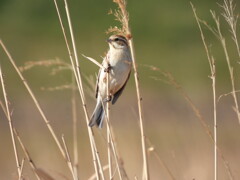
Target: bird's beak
<point>109,40</point>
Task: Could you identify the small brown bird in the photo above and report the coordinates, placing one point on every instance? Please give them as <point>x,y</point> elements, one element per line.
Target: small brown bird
<point>118,63</point>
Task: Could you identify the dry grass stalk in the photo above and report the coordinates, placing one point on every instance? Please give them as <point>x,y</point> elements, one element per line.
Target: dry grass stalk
<point>57,88</point>
<point>46,63</point>
<point>94,61</point>
<point>75,139</point>
<point>123,17</point>
<point>211,62</point>
<point>77,75</point>
<point>21,170</point>
<point>111,141</point>
<point>171,81</point>
<point>47,122</point>
<point>10,124</point>
<point>3,108</point>
<point>232,19</point>
<point>110,165</point>
<point>93,177</point>
<point>69,162</point>
<point>27,155</point>
<point>119,162</point>
<point>222,40</point>
<point>44,175</point>
<point>80,87</point>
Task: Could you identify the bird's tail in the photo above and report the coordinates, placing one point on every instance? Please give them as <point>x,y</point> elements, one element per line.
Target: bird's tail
<point>98,115</point>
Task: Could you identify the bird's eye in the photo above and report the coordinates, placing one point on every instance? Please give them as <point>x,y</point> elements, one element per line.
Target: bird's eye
<point>116,39</point>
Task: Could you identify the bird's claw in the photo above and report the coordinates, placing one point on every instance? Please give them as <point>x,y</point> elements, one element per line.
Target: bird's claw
<point>108,69</point>
<point>108,99</point>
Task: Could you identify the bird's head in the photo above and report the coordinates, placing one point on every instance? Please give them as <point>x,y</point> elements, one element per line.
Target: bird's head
<point>117,42</point>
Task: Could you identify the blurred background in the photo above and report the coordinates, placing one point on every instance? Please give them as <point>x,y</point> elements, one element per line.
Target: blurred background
<point>165,36</point>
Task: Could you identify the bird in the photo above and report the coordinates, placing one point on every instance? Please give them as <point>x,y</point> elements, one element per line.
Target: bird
<point>118,64</point>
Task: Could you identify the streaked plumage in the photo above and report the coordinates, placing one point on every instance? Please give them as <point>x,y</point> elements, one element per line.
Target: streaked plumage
<point>119,61</point>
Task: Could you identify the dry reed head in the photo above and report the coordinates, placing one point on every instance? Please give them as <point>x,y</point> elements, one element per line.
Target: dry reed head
<point>121,16</point>
<point>46,63</point>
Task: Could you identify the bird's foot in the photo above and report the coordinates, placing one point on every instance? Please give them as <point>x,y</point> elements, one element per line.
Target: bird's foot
<point>108,99</point>
<point>108,69</point>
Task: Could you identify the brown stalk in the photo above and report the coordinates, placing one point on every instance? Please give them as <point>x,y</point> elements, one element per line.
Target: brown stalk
<point>230,67</point>
<point>77,75</point>
<point>211,62</point>
<point>122,16</point>
<point>10,124</point>
<point>232,19</point>
<point>47,122</point>
<point>110,165</point>
<point>112,146</point>
<point>21,170</point>
<point>75,139</point>
<point>23,147</point>
<point>69,162</point>
<point>27,155</point>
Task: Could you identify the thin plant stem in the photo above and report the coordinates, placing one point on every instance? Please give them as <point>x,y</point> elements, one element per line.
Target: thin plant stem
<point>21,170</point>
<point>75,139</point>
<point>74,51</point>
<point>139,97</point>
<point>27,155</point>
<point>68,158</point>
<point>47,122</point>
<point>113,146</point>
<point>213,78</point>
<point>230,68</point>
<point>232,19</point>
<point>108,131</point>
<point>126,28</point>
<point>93,177</point>
<point>116,153</point>
<point>33,167</point>
<point>93,61</point>
<point>10,123</point>
<point>77,74</point>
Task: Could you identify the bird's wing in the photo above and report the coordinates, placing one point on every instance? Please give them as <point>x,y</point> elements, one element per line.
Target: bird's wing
<point>97,87</point>
<point>119,92</point>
